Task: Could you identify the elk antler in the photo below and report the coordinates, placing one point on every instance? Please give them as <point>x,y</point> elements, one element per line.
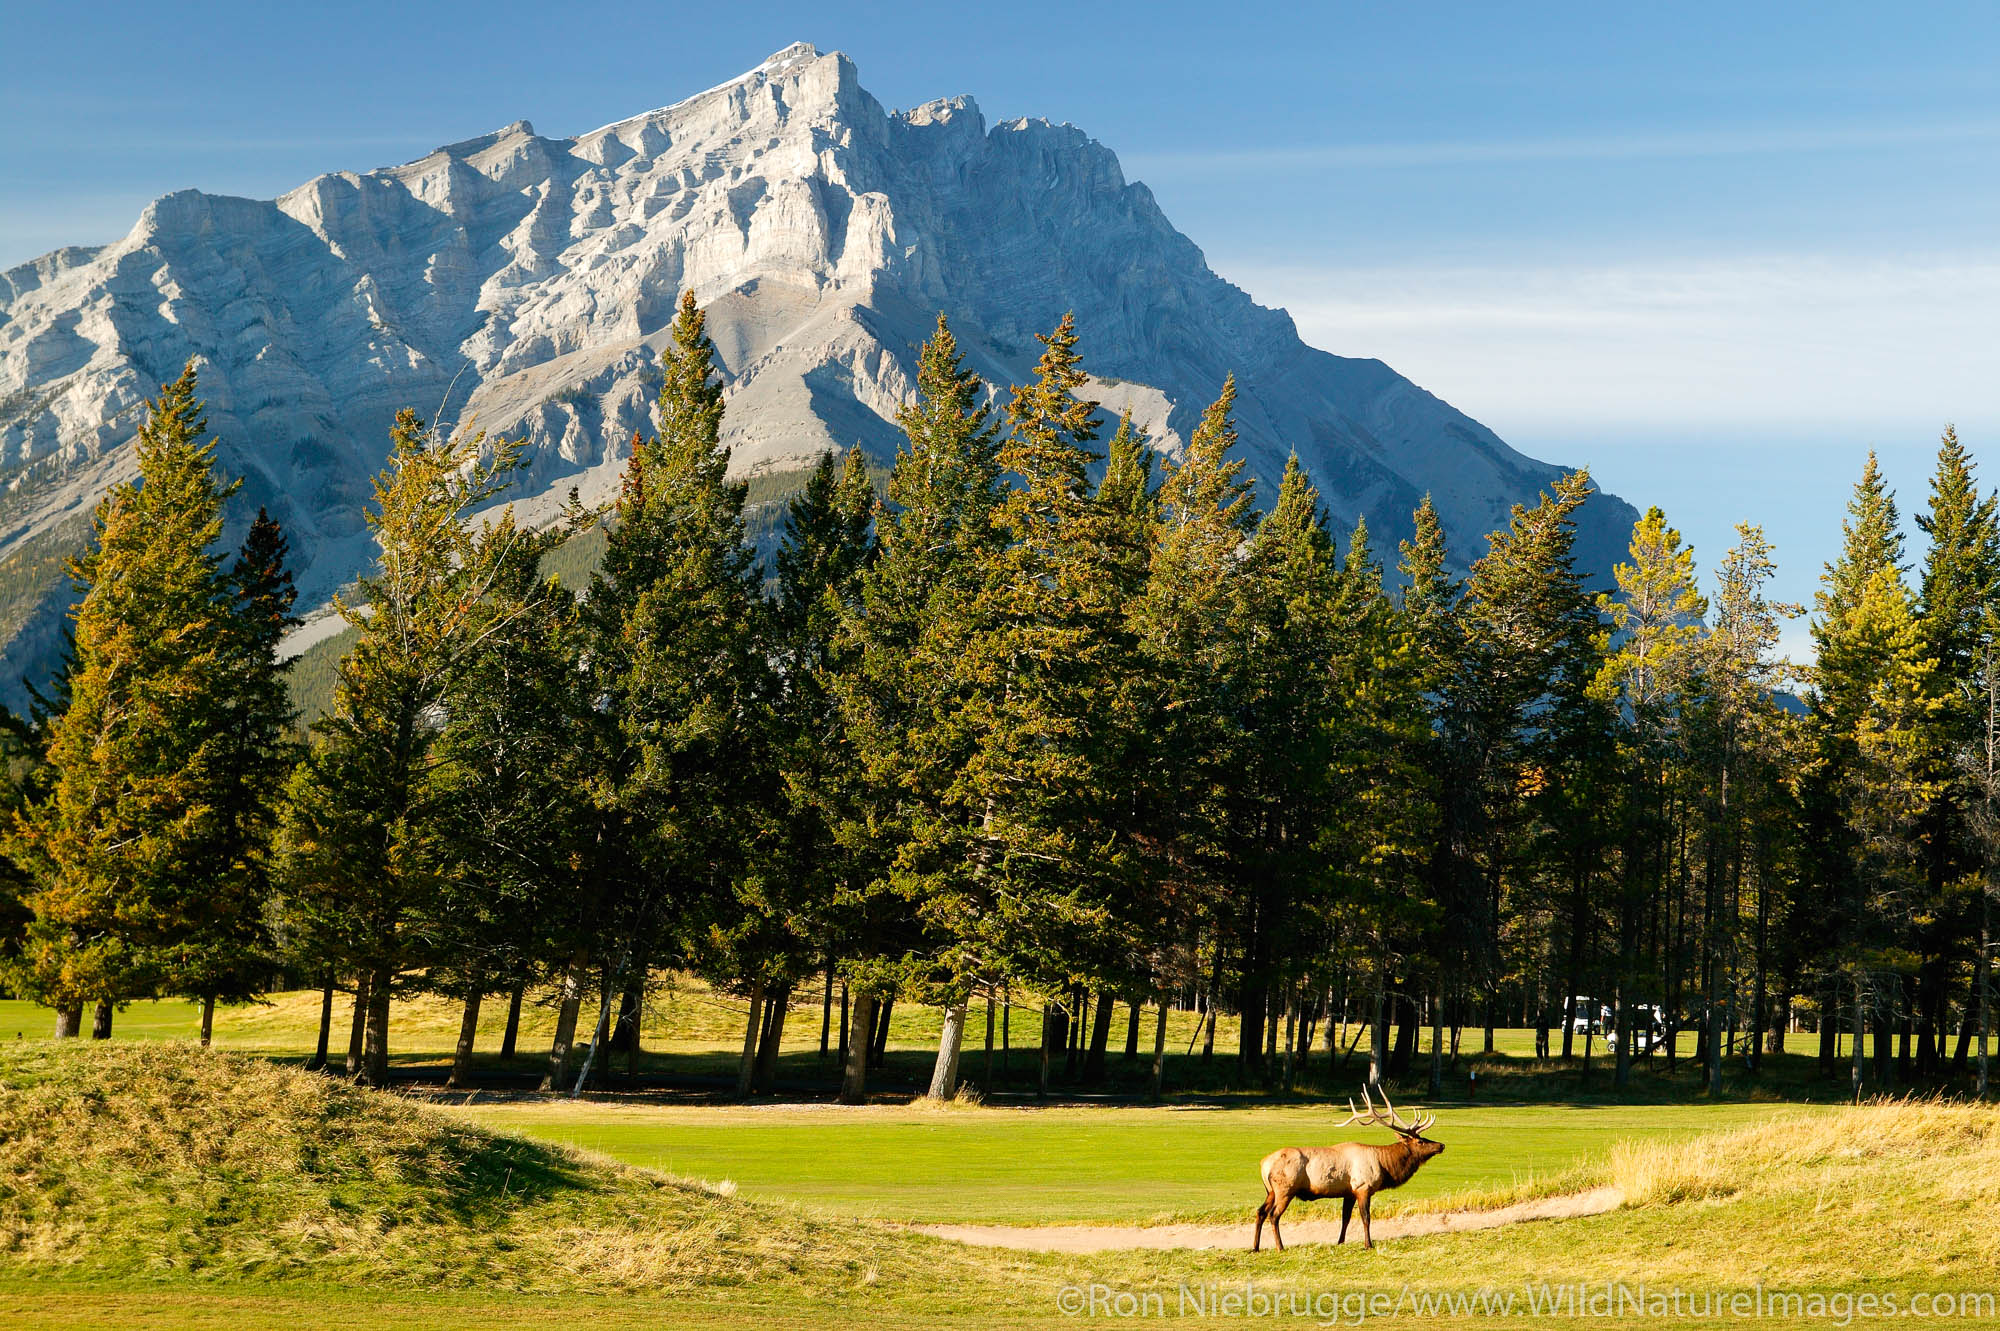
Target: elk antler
<point>1387,1116</point>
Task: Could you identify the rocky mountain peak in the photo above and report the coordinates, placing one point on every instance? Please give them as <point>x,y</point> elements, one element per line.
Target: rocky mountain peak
<point>525,283</point>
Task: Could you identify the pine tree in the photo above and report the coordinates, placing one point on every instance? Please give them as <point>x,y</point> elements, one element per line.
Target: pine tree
<point>678,622</point>
<point>366,842</point>
<point>934,536</point>
<point>1861,671</point>
<point>1292,584</point>
<point>827,545</point>
<point>121,846</point>
<point>227,955</point>
<point>1525,735</point>
<point>1195,646</point>
<point>1655,619</point>
<point>1015,862</point>
<point>1955,597</point>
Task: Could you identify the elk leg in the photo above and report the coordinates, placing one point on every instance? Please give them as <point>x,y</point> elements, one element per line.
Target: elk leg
<point>1257,1236</point>
<point>1277,1211</point>
<point>1346,1214</point>
<point>1367,1226</point>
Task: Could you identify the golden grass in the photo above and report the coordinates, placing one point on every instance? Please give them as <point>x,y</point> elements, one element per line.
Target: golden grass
<point>1952,1146</point>
<point>165,1159</point>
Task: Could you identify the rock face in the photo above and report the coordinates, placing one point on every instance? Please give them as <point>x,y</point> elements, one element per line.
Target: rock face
<point>524,284</point>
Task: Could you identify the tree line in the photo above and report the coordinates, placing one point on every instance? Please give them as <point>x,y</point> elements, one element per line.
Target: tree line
<point>1076,725</point>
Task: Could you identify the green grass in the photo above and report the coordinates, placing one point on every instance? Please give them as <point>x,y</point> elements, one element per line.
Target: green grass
<point>165,1186</point>
<point>1043,1166</point>
<point>691,1031</point>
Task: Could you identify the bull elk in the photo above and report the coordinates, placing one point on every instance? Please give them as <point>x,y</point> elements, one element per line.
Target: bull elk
<point>1351,1171</point>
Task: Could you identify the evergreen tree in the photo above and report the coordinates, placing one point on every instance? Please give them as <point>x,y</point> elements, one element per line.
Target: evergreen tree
<point>934,535</point>
<point>513,763</point>
<point>1656,622</point>
<point>1018,864</point>
<point>228,954</point>
<point>827,545</point>
<point>1524,734</point>
<point>366,839</point>
<point>1860,673</point>
<point>1955,598</point>
<point>1195,645</point>
<point>678,626</point>
<point>122,845</point>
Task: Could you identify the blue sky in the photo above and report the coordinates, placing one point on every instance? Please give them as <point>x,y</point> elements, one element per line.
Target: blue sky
<point>1712,251</point>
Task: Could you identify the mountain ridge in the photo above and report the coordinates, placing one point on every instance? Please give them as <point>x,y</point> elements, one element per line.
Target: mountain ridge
<point>524,284</point>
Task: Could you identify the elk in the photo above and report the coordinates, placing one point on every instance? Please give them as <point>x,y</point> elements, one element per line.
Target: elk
<point>1351,1171</point>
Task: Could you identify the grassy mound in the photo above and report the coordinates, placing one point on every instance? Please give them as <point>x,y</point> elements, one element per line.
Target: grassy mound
<point>122,1160</point>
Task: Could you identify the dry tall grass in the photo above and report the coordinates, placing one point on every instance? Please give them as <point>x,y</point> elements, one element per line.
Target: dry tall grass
<point>1954,1145</point>
<point>167,1159</point>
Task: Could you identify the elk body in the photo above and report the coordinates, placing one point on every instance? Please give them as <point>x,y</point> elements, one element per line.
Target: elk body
<point>1351,1171</point>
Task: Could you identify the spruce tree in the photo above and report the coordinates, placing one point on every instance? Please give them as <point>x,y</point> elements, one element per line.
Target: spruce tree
<point>1862,668</point>
<point>122,844</point>
<point>1195,650</point>
<point>827,545</point>
<point>1655,618</point>
<point>1955,598</point>
<point>366,841</point>
<point>934,535</point>
<point>677,618</point>
<point>226,957</point>
<point>1014,859</point>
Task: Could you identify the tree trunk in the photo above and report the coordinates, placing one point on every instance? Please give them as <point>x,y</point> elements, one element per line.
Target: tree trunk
<point>988,1075</point>
<point>1860,1034</point>
<point>468,1032</point>
<point>1006,1030</point>
<point>878,1056</point>
<point>1051,1030</point>
<point>1437,1040</point>
<point>773,1039</point>
<point>358,1027</point>
<point>1159,1050</point>
<point>1621,1063</point>
<point>1073,1032</point>
<point>513,1032</point>
<point>1884,1051</point>
<point>69,1021</point>
<point>944,1073</point>
<point>746,1067</point>
<point>858,1039</point>
<point>1291,1037</point>
<point>1982,978</point>
<point>594,1073</point>
<point>826,1016</point>
<point>1404,1055</point>
<point>100,1020</point>
<point>570,1003</point>
<point>1378,1045</point>
<point>318,1061</point>
<point>375,1048</point>
<point>1100,1040</point>
<point>1132,1033</point>
<point>207,1020</point>
<point>631,1001</point>
<point>840,1058</point>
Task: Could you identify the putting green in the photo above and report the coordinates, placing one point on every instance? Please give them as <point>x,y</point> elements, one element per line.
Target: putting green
<point>1043,1166</point>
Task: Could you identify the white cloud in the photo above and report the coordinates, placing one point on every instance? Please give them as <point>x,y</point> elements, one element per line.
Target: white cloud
<point>1727,142</point>
<point>1793,342</point>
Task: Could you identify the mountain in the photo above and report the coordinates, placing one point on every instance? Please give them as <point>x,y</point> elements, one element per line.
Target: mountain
<point>525,284</point>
